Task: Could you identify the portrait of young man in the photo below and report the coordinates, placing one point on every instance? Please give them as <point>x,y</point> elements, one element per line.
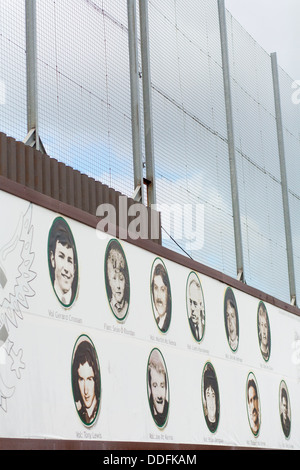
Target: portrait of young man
<point>231,319</point>
<point>195,306</point>
<point>117,279</point>
<point>62,261</point>
<point>285,409</point>
<point>86,381</point>
<point>253,404</point>
<point>158,388</point>
<point>264,334</point>
<point>161,295</point>
<point>210,397</point>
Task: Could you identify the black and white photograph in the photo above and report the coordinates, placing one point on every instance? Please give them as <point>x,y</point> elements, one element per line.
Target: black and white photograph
<point>253,404</point>
<point>210,397</point>
<point>264,332</point>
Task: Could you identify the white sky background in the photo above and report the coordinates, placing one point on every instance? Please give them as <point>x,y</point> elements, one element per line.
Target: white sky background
<point>274,24</point>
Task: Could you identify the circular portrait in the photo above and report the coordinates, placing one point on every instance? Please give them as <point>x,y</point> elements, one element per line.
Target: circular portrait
<point>195,306</point>
<point>285,409</point>
<point>263,330</point>
<point>253,404</point>
<point>117,279</point>
<point>86,381</point>
<point>62,261</point>
<point>210,397</point>
<point>231,319</point>
<point>161,295</point>
<point>158,388</point>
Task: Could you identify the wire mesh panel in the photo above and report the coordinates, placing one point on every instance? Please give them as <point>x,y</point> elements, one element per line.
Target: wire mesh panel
<point>84,92</point>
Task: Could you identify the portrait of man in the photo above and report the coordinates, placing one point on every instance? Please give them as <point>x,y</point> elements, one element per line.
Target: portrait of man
<point>117,279</point>
<point>195,306</point>
<point>62,261</point>
<point>161,295</point>
<point>231,319</point>
<point>285,409</point>
<point>86,381</point>
<point>253,405</point>
<point>264,334</point>
<point>210,397</point>
<point>158,388</point>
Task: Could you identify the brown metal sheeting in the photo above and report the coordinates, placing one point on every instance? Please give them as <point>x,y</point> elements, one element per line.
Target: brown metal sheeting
<point>35,170</point>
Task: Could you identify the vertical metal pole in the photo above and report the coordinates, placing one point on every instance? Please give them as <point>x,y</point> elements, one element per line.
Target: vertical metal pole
<point>284,184</point>
<point>231,142</point>
<point>32,137</point>
<point>135,102</point>
<point>148,127</point>
<point>31,67</point>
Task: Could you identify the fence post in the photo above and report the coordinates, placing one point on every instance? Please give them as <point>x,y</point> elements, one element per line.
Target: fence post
<point>231,142</point>
<point>148,126</point>
<point>135,102</point>
<point>32,137</point>
<point>284,184</point>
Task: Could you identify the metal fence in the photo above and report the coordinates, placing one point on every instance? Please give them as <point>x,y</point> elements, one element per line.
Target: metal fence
<point>225,138</point>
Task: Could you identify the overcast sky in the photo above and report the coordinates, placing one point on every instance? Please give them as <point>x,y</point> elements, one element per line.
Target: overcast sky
<point>274,24</point>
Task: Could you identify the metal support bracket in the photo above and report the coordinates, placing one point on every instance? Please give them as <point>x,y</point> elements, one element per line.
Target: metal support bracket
<point>34,141</point>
